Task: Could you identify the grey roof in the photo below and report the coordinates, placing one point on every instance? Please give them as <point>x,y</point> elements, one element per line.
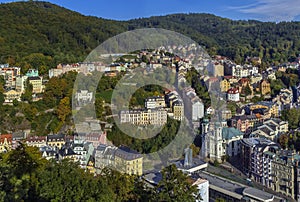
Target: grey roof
<point>18,135</point>
<point>56,137</point>
<point>258,194</point>
<point>127,154</point>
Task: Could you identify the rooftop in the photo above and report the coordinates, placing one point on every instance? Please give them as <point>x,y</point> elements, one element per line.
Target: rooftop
<point>229,133</point>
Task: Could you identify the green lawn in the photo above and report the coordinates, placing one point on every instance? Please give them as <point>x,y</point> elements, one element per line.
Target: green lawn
<point>106,95</point>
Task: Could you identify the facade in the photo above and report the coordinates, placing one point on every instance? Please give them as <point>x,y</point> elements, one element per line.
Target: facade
<point>271,129</point>
<point>219,141</point>
<point>56,141</point>
<point>243,71</point>
<point>144,117</point>
<point>55,72</point>
<point>203,187</point>
<point>173,102</point>
<point>194,107</point>
<point>233,95</point>
<point>224,85</point>
<point>12,95</point>
<point>9,74</point>
<point>129,161</point>
<point>21,82</point>
<point>265,87</point>
<point>218,70</point>
<point>270,109</point>
<point>178,110</point>
<point>155,102</point>
<point>37,84</point>
<point>83,97</point>
<point>283,173</point>
<point>123,159</point>
<point>5,142</point>
<point>256,157</point>
<point>36,141</point>
<point>245,122</point>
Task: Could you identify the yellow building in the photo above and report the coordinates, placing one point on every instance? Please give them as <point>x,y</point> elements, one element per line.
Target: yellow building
<point>271,107</point>
<point>178,110</point>
<point>265,87</point>
<point>5,142</point>
<point>144,117</point>
<point>12,95</point>
<point>128,161</point>
<point>37,84</point>
<point>56,140</point>
<point>224,85</point>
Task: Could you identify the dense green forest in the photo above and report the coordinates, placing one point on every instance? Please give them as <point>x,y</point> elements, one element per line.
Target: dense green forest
<point>26,176</point>
<point>40,35</point>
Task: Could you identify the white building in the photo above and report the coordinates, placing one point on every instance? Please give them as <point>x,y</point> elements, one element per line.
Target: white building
<point>203,187</point>
<point>83,97</point>
<point>219,141</point>
<point>144,117</point>
<point>193,104</point>
<point>233,95</point>
<point>244,71</point>
<point>21,83</point>
<point>155,102</point>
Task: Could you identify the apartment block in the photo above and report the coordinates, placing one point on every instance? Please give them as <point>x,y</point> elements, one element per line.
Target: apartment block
<point>144,117</point>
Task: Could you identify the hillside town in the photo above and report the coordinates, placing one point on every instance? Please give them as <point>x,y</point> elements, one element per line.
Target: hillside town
<point>249,135</point>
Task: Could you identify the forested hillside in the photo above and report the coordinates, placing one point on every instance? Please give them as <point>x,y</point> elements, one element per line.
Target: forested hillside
<point>40,33</point>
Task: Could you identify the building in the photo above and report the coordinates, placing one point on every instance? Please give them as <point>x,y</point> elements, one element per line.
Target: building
<point>174,102</point>
<point>56,141</point>
<point>284,99</point>
<point>243,71</point>
<point>203,187</point>
<point>9,74</point>
<point>271,129</point>
<point>284,168</point>
<point>178,110</point>
<point>194,107</point>
<point>96,138</point>
<point>5,142</point>
<point>265,108</point>
<point>128,161</point>
<point>12,95</point>
<point>218,70</point>
<point>37,84</point>
<point>219,141</point>
<point>264,87</point>
<point>245,122</point>
<point>17,137</point>
<point>256,157</point>
<point>233,95</point>
<point>123,159</point>
<point>21,83</point>
<point>232,191</point>
<point>224,85</point>
<point>36,141</point>
<point>144,117</point>
<point>55,72</point>
<point>83,97</point>
<point>155,102</point>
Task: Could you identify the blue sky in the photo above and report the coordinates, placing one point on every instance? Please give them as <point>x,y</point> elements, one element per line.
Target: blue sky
<point>265,10</point>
